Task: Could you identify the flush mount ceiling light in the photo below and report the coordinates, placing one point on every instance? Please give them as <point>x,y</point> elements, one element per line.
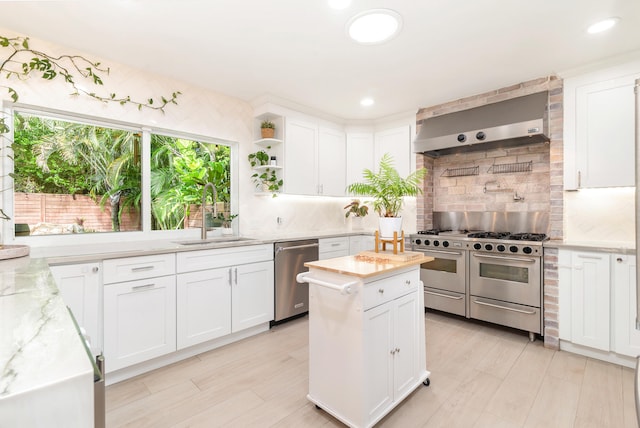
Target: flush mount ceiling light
<point>374,26</point>
<point>603,25</point>
<point>366,102</point>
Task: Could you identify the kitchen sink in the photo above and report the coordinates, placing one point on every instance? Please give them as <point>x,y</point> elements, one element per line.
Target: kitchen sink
<point>217,240</point>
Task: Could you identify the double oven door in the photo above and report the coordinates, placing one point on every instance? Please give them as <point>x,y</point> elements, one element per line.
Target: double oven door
<point>506,289</point>
<point>444,280</point>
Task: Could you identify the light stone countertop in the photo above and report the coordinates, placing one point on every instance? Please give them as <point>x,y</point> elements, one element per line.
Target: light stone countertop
<point>623,247</point>
<point>40,348</point>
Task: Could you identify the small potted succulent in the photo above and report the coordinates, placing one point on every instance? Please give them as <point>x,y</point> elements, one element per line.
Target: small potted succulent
<point>267,128</point>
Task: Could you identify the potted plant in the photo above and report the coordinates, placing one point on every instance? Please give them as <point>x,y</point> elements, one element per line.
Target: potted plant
<point>226,220</point>
<point>264,177</point>
<point>267,128</point>
<point>358,210</point>
<point>259,158</point>
<point>388,189</point>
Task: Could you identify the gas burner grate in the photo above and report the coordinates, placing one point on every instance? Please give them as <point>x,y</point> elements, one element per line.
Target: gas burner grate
<point>528,237</point>
<point>433,231</point>
<point>489,235</point>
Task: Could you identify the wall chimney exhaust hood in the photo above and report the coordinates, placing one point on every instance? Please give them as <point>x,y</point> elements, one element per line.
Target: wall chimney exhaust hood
<point>504,124</point>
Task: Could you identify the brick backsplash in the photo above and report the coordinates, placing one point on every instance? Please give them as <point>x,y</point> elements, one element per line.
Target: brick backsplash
<point>541,187</point>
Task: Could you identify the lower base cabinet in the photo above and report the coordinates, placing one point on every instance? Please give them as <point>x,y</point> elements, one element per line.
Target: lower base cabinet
<point>626,339</point>
<point>216,302</point>
<point>139,321</point>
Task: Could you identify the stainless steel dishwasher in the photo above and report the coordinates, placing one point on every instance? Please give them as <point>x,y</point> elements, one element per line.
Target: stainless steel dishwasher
<point>291,297</point>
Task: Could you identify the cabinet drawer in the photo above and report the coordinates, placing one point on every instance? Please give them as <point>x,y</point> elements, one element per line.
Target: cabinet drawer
<point>385,290</point>
<point>333,244</point>
<point>190,261</point>
<point>132,268</point>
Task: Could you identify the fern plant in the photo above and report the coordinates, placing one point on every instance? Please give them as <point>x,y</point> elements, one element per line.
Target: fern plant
<point>387,187</point>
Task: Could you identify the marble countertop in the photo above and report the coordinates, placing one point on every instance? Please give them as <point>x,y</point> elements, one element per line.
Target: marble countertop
<point>366,266</point>
<point>622,247</point>
<point>39,344</point>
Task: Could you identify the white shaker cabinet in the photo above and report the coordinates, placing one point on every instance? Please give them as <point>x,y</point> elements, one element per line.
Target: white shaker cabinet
<point>626,339</point>
<point>360,155</point>
<point>81,288</point>
<point>300,151</point>
<point>140,314</point>
<point>223,291</point>
<point>584,281</point>
<point>203,306</point>
<point>329,248</point>
<point>396,142</point>
<point>599,128</point>
<point>332,162</point>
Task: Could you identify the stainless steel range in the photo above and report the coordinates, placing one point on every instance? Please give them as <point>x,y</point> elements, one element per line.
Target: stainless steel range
<point>490,276</point>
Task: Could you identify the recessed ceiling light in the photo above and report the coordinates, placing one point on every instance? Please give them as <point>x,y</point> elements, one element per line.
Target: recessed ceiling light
<point>366,102</point>
<point>374,26</point>
<point>339,4</point>
<point>603,25</point>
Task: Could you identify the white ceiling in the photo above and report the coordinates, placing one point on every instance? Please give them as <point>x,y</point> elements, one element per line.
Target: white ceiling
<point>297,50</point>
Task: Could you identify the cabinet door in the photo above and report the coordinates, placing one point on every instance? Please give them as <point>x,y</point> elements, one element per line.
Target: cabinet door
<point>604,133</point>
<point>203,302</point>
<point>359,155</point>
<point>300,152</point>
<point>626,337</point>
<point>139,321</point>
<point>332,162</point>
<point>251,295</point>
<point>396,142</point>
<point>406,364</point>
<point>379,347</point>
<point>80,287</point>
<point>590,291</point>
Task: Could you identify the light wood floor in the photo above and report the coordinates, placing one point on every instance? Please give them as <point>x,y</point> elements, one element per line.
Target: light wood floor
<point>481,376</point>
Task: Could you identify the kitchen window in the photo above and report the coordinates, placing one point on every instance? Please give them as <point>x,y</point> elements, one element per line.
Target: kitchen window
<point>80,176</point>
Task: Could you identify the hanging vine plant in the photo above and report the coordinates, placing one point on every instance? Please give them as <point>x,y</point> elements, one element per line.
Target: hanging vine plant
<point>18,60</point>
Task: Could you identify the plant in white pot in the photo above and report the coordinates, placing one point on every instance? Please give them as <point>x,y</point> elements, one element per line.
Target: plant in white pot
<point>358,210</point>
<point>388,190</point>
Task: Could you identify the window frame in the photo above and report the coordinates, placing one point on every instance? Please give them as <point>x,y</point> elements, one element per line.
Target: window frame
<point>6,168</point>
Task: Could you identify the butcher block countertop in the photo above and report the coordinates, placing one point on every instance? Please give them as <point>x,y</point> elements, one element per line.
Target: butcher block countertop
<point>369,263</point>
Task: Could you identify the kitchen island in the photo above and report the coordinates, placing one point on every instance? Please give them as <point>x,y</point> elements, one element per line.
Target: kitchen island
<point>366,334</point>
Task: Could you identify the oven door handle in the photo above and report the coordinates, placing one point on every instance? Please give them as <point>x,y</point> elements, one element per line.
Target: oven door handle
<point>513,259</point>
<point>444,295</point>
<point>455,253</point>
<point>504,307</point>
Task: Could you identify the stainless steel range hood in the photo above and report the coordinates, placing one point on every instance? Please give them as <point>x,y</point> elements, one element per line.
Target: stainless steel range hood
<point>509,123</point>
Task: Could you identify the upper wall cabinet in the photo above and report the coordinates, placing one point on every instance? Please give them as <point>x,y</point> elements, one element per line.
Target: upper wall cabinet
<point>315,159</point>
<point>359,154</point>
<point>599,128</point>
<point>396,142</point>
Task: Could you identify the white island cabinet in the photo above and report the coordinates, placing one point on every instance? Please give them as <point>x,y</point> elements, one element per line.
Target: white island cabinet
<point>366,336</point>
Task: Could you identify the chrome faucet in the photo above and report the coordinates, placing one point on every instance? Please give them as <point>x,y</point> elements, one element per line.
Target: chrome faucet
<point>203,234</point>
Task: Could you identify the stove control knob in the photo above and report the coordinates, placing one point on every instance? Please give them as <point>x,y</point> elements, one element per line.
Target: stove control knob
<point>501,248</point>
<point>477,246</point>
<point>527,250</point>
<point>445,243</point>
<point>513,249</point>
<point>418,242</point>
<point>488,247</point>
<point>427,242</point>
<point>436,243</point>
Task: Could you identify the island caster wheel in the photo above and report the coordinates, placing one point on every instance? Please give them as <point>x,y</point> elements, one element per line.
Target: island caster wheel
<point>427,382</point>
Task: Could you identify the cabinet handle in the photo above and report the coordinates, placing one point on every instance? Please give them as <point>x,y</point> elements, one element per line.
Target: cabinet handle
<point>95,269</point>
<point>397,350</point>
<point>138,287</point>
<point>141,268</point>
<point>619,259</point>
<point>230,283</point>
<point>381,290</point>
<point>579,179</point>
<point>236,275</point>
<point>408,282</point>
<point>393,351</point>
